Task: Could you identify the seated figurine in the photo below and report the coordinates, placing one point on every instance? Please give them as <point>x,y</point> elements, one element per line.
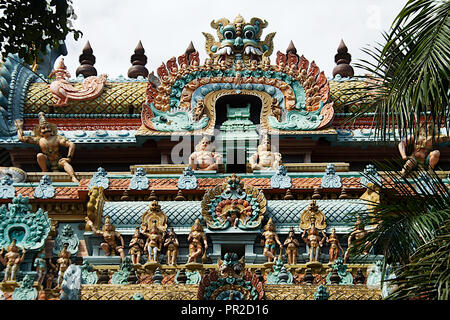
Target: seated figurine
<point>204,158</point>
<point>264,158</point>
<point>110,235</point>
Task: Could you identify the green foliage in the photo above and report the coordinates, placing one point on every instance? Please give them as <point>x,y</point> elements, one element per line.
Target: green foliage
<point>410,76</point>
<point>28,26</point>
<point>410,227</point>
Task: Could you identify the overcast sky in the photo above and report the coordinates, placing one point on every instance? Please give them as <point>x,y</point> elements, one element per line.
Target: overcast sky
<point>114,27</point>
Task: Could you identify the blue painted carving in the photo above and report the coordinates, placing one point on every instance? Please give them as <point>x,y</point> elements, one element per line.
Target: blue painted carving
<point>45,189</point>
<point>321,293</point>
<point>71,284</point>
<point>15,79</point>
<point>188,180</point>
<point>193,277</point>
<point>298,120</point>
<point>99,179</point>
<point>175,120</point>
<point>281,180</point>
<point>47,60</point>
<point>7,189</point>
<point>88,275</point>
<point>330,180</point>
<point>26,290</point>
<point>370,175</point>
<point>29,229</point>
<point>67,236</point>
<point>346,277</point>
<point>139,180</point>
<point>279,275</point>
<point>121,276</point>
<point>138,296</point>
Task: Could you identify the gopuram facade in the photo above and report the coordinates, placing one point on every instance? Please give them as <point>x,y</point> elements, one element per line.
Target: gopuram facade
<point>231,178</point>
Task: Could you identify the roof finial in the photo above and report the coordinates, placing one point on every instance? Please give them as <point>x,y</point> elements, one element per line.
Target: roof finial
<point>87,61</point>
<point>138,61</point>
<point>343,59</point>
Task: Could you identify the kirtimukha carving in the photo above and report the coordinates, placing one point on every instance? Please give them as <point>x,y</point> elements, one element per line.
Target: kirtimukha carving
<point>64,92</point>
<point>12,260</point>
<point>270,241</point>
<point>110,236</point>
<point>264,158</point>
<point>205,158</point>
<point>45,135</point>
<point>197,242</point>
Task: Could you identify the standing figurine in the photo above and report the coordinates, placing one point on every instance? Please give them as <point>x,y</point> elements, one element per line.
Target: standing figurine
<point>356,237</point>
<point>12,260</point>
<point>154,242</point>
<point>45,135</point>
<point>41,266</point>
<point>51,272</point>
<point>335,246</point>
<point>312,238</point>
<point>292,245</point>
<point>270,240</point>
<point>110,235</point>
<point>137,246</point>
<point>195,239</point>
<point>172,245</point>
<point>62,263</point>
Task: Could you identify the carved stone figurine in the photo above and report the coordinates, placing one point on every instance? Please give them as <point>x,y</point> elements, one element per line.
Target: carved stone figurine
<point>291,244</point>
<point>356,237</point>
<point>335,246</point>
<point>172,245</point>
<point>110,235</point>
<point>270,240</point>
<point>276,109</point>
<point>12,260</point>
<point>204,158</point>
<point>199,110</point>
<point>154,242</point>
<point>46,137</point>
<point>64,91</point>
<point>196,238</point>
<point>137,246</point>
<point>62,264</point>
<point>314,241</point>
<point>41,267</point>
<point>423,149</point>
<point>264,158</point>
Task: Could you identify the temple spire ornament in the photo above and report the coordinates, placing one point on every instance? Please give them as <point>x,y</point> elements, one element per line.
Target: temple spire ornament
<point>87,61</point>
<point>138,61</point>
<point>343,59</point>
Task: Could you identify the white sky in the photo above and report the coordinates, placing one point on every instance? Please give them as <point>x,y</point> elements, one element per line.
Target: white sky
<point>114,27</point>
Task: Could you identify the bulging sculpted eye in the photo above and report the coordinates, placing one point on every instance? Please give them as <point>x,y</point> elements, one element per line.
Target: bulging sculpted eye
<point>249,34</point>
<point>228,34</point>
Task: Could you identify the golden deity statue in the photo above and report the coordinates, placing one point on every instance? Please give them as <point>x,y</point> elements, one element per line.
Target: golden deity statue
<point>62,264</point>
<point>314,241</point>
<point>270,240</point>
<point>205,158</point>
<point>12,260</point>
<point>291,244</point>
<point>172,245</point>
<point>46,137</point>
<point>137,246</point>
<point>154,241</point>
<point>196,238</point>
<point>335,246</point>
<point>423,152</point>
<point>110,236</point>
<point>264,158</point>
